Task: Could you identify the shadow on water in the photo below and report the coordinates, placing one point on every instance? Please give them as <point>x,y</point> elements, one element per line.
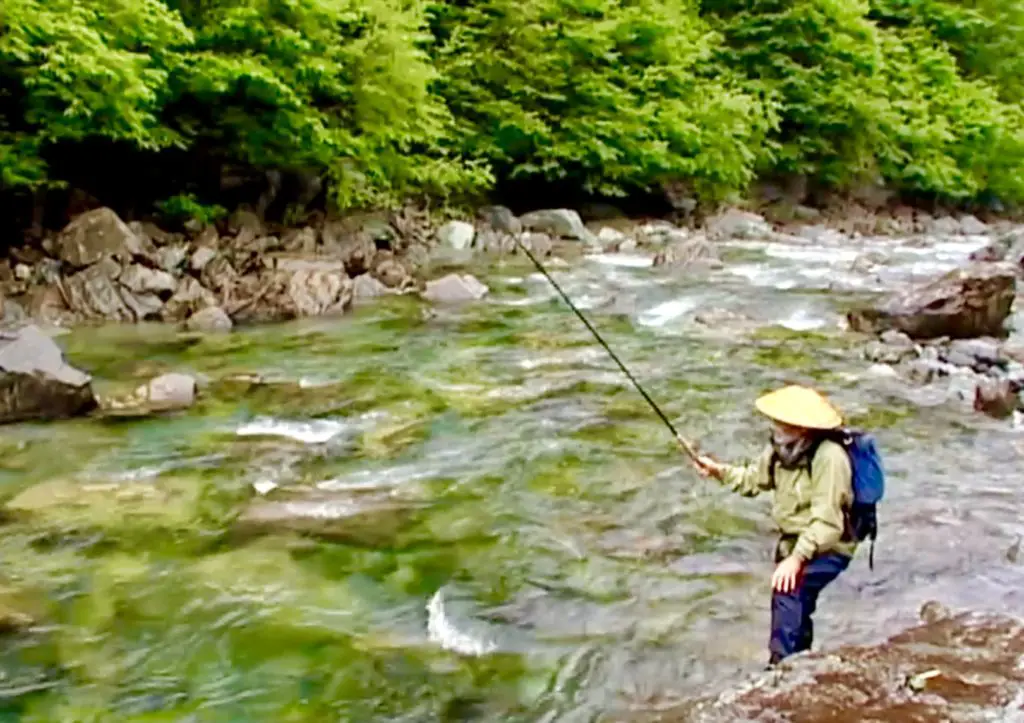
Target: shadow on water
<point>465,516</point>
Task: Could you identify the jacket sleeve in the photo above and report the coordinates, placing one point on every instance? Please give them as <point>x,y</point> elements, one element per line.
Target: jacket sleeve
<point>831,492</point>
<point>749,479</point>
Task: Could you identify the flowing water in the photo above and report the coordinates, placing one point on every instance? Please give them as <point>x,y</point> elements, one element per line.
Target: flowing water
<point>506,531</point>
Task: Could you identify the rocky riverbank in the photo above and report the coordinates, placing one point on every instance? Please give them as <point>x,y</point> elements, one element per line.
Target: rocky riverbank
<point>953,666</point>
<point>101,270</point>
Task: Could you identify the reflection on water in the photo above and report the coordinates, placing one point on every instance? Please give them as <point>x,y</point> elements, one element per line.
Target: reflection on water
<point>472,516</point>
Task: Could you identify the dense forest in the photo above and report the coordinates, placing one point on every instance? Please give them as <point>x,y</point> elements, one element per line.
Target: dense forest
<point>148,101</point>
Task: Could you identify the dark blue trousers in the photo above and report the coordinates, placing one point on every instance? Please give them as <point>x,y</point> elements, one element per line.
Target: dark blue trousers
<point>792,627</point>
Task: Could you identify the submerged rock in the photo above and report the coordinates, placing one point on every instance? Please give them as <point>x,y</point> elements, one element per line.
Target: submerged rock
<point>965,303</point>
<point>36,382</point>
<point>952,667</point>
<point>169,391</point>
<point>363,517</point>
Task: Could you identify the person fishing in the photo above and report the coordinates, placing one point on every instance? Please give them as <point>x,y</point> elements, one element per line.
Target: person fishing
<point>827,481</point>
<point>811,478</point>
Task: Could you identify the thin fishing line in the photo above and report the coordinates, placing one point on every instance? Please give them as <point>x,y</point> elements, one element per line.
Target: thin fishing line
<point>600,339</point>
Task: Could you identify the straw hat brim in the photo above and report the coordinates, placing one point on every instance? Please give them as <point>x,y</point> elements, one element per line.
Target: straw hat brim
<point>799,407</point>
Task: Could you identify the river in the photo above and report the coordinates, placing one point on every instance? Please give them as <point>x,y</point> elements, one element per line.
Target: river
<point>509,532</point>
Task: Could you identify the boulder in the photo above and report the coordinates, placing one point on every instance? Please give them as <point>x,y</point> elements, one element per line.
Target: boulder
<point>945,226</point>
<point>189,298</point>
<point>971,226</point>
<point>735,223</point>
<point>168,391</point>
<point>295,288</point>
<point>366,287</point>
<point>171,258</point>
<point>391,271</point>
<point>501,220</point>
<point>539,244</point>
<point>35,380</point>
<point>965,303</point>
<point>995,397</point>
<point>961,666</point>
<point>457,235</point>
<point>558,222</point>
<point>142,280</point>
<point>454,288</point>
<point>201,257</point>
<point>96,235</point>
<point>212,319</point>
<point>687,252</point>
<point>96,294</point>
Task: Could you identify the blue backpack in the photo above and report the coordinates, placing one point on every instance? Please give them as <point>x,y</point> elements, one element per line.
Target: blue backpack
<point>868,483</point>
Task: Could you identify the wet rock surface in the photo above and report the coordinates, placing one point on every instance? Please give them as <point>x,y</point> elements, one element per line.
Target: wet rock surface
<point>963,667</point>
<point>35,380</point>
<point>968,302</point>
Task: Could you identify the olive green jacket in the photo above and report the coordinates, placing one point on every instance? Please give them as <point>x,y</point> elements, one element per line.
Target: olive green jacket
<point>809,507</point>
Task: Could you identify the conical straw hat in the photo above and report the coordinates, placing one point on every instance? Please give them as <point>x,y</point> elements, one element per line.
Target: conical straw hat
<point>800,407</point>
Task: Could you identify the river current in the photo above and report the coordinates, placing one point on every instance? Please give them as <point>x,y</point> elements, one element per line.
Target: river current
<point>468,514</point>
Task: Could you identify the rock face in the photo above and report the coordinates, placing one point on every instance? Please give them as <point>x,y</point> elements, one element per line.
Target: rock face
<point>961,667</point>
<point>965,303</point>
<point>36,382</point>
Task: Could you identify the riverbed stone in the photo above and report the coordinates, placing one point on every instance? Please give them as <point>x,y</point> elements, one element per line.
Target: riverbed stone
<point>95,295</point>
<point>457,235</point>
<point>36,382</point>
<point>969,302</point>
<point>995,397</point>
<point>202,256</point>
<point>169,391</point>
<point>500,219</point>
<point>142,280</point>
<point>366,287</point>
<point>211,320</point>
<point>688,252</point>
<point>190,297</point>
<point>972,226</point>
<point>360,517</point>
<point>455,288</point>
<point>96,235</point>
<point>735,223</point>
<point>559,223</point>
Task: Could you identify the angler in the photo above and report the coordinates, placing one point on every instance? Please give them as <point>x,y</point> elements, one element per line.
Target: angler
<point>826,482</point>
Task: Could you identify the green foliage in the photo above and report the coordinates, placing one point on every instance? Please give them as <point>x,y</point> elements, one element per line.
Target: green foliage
<point>392,98</point>
<point>612,95</point>
<point>185,207</point>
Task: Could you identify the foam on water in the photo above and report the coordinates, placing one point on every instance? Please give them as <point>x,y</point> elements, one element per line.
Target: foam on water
<point>441,630</point>
<point>311,432</point>
<point>633,261</point>
<point>666,312</point>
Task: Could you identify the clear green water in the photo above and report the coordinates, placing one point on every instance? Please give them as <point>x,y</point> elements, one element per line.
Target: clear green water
<point>489,525</point>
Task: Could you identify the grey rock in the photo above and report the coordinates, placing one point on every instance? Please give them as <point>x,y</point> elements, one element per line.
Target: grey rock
<point>190,297</point>
<point>94,294</point>
<point>500,219</point>
<point>142,280</point>
<point>971,226</point>
<point>210,320</point>
<point>365,287</point>
<point>879,352</point>
<point>36,382</point>
<point>457,235</point>
<point>202,256</point>
<point>610,236</point>
<point>945,226</point>
<point>558,222</point>
<point>96,235</point>
<point>735,223</point>
<point>965,303</point>
<point>168,391</point>
<point>171,258</point>
<point>983,350</point>
<point>995,397</point>
<point>691,251</point>
<point>454,288</point>
<point>312,292</point>
<point>539,244</point>
<point>300,240</point>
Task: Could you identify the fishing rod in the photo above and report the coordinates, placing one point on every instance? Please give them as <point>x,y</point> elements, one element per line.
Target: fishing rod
<point>685,445</point>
